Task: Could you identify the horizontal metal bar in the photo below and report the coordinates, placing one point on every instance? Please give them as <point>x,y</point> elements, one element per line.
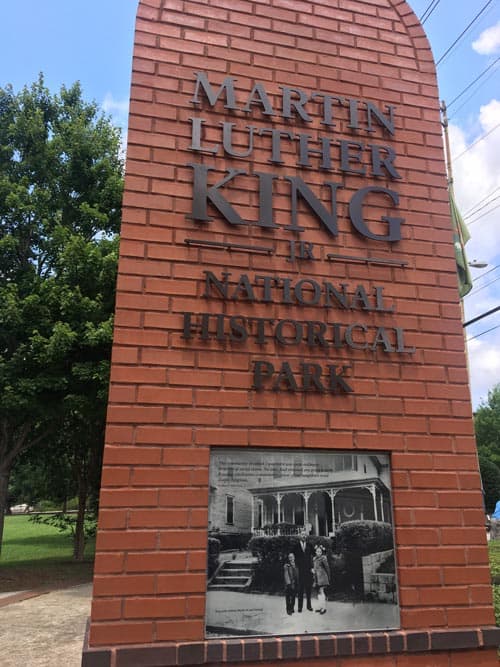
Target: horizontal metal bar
<point>367,260</point>
<point>229,246</point>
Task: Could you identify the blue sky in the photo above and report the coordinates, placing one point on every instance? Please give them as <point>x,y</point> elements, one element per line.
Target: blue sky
<point>68,40</point>
<point>91,41</point>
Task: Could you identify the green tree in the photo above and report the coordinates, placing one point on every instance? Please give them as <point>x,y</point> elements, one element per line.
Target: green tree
<point>487,426</point>
<point>490,477</point>
<point>60,199</point>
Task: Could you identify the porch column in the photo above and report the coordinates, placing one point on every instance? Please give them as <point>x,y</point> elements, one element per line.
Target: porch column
<point>279,496</point>
<point>373,491</point>
<point>332,493</point>
<point>253,514</point>
<point>307,495</point>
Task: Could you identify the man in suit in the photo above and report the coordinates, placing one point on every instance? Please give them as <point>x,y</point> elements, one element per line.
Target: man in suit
<point>304,561</point>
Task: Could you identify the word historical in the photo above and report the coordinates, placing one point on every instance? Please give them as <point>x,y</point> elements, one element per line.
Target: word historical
<point>313,334</point>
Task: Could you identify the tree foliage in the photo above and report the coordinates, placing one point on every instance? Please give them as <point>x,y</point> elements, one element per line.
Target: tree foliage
<point>487,427</point>
<point>490,477</point>
<point>364,537</point>
<point>60,199</point>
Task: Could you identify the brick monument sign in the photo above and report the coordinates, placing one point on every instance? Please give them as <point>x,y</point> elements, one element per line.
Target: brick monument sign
<point>290,474</point>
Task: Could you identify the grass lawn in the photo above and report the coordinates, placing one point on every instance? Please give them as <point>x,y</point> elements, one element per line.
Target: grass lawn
<point>39,556</point>
<point>494,549</point>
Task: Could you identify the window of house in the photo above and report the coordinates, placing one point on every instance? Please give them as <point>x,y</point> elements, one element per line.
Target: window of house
<point>260,514</point>
<point>230,509</point>
<point>346,462</point>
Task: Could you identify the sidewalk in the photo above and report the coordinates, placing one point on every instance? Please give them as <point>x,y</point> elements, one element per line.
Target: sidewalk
<point>44,630</point>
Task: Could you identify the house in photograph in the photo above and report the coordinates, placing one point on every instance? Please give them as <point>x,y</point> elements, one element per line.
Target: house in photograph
<point>284,492</point>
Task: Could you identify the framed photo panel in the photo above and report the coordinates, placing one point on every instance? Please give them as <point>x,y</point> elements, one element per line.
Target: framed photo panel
<point>300,542</point>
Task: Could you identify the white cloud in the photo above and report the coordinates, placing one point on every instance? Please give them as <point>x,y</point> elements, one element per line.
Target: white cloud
<point>110,105</point>
<point>489,115</point>
<point>118,109</point>
<point>484,363</point>
<point>476,175</point>
<point>488,41</point>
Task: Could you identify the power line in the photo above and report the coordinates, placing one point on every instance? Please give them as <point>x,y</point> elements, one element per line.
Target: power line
<point>483,215</point>
<point>430,8</point>
<point>486,273</point>
<point>478,289</point>
<point>473,82</point>
<point>467,99</point>
<point>482,316</point>
<point>480,208</point>
<point>476,142</point>
<point>483,333</point>
<point>470,211</point>
<point>464,32</point>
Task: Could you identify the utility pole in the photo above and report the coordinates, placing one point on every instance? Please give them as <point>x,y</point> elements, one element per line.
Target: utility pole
<point>444,123</point>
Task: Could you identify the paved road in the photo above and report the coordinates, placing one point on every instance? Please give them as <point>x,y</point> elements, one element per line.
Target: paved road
<point>45,631</point>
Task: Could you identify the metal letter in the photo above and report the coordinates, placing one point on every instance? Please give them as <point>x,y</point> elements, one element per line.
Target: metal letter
<point>356,214</point>
<point>279,332</point>
<point>227,86</point>
<point>266,200</point>
<point>262,100</point>
<point>262,371</point>
<point>202,193</point>
<point>349,339</point>
<point>316,295</point>
<point>221,286</point>
<point>311,374</point>
<point>346,156</point>
<point>227,133</point>
<point>388,123</point>
<point>300,188</point>
<point>298,105</point>
<point>337,382</point>
<point>196,138</point>
<point>401,342</point>
<point>285,375</point>
<point>378,162</point>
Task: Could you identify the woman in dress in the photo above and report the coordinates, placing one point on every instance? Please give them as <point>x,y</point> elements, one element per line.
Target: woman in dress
<point>321,571</point>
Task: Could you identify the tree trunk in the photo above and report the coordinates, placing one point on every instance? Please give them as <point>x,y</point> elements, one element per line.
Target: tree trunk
<point>4,488</point>
<point>79,539</point>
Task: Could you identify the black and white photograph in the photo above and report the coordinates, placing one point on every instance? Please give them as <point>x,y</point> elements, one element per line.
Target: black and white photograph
<point>300,542</point>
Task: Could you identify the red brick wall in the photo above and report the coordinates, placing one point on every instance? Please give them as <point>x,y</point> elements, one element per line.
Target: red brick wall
<point>172,399</point>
